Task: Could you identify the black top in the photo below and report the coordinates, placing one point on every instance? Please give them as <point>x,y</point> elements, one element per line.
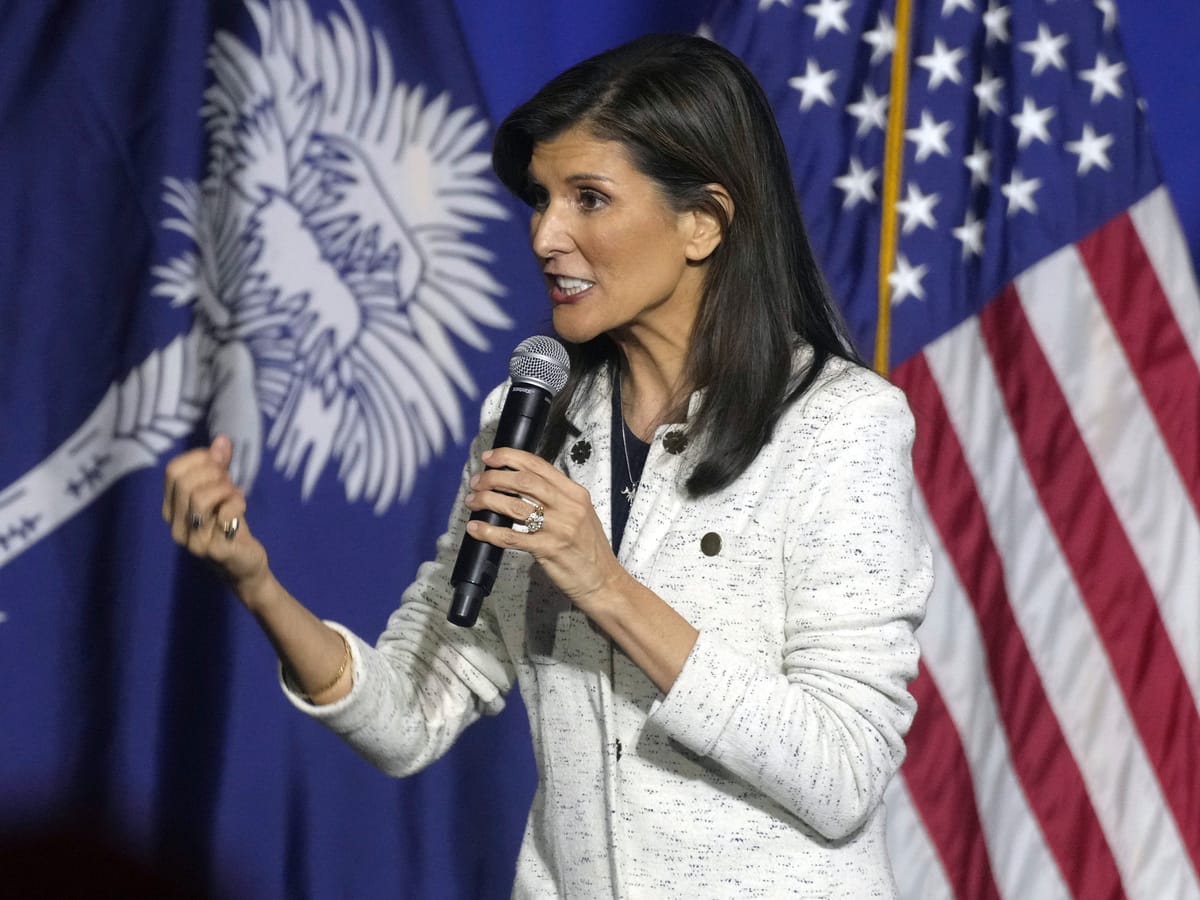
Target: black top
<point>629,454</point>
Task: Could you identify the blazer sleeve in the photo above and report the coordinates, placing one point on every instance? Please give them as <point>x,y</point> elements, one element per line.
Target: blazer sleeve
<point>425,680</point>
<point>823,736</point>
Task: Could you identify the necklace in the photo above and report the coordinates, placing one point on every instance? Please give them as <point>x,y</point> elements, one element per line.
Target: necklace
<point>630,489</point>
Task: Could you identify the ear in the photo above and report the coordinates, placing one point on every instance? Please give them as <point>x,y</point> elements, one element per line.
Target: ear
<point>707,228</point>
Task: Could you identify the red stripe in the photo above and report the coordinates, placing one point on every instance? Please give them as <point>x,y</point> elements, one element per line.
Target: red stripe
<point>939,782</point>
<point>1095,546</point>
<point>1041,757</point>
<point>1128,287</point>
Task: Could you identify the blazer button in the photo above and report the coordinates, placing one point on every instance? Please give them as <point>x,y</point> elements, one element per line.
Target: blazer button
<point>710,544</point>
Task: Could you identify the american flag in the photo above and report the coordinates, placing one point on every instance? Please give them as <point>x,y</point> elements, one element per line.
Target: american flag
<point>991,160</point>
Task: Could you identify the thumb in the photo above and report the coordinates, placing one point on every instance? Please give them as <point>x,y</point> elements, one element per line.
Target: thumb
<point>222,450</point>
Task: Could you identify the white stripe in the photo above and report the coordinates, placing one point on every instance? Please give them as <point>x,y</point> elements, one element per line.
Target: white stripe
<point>918,870</point>
<point>1139,476</point>
<point>1058,630</point>
<point>954,654</point>
<point>1157,225</point>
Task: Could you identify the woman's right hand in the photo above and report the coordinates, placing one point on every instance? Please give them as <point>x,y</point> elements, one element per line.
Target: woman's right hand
<point>207,514</point>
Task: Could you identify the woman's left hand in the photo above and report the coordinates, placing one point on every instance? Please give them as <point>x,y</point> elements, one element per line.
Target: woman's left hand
<point>570,545</point>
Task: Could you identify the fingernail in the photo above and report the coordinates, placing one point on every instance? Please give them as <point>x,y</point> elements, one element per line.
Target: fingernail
<point>474,480</point>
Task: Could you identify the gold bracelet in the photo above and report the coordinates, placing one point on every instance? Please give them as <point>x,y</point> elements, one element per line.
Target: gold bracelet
<point>340,672</point>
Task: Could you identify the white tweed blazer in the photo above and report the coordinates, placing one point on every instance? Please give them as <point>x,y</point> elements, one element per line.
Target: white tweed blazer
<point>761,773</point>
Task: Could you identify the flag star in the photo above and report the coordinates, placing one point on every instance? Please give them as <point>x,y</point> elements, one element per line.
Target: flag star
<point>970,235</point>
<point>988,91</point>
<point>813,85</point>
<point>905,280</point>
<point>980,163</point>
<point>929,136</point>
<point>1108,8</point>
<point>829,14</point>
<point>917,209</point>
<point>1103,78</point>
<point>949,6</point>
<point>942,64</point>
<point>882,38</point>
<point>995,22</point>
<point>1019,192</point>
<point>1046,49</point>
<point>1031,122</point>
<point>858,184</point>
<point>1092,150</point>
<point>870,111</point>
<point>767,4</point>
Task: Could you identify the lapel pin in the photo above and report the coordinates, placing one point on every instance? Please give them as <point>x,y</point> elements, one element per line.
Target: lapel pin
<point>674,441</point>
<point>581,452</point>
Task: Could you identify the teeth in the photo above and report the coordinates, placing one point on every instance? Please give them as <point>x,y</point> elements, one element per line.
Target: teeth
<point>572,285</point>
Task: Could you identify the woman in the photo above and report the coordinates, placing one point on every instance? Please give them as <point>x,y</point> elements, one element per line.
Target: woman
<point>713,628</point>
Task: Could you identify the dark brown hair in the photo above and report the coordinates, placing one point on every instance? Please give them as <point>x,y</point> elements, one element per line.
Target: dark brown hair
<point>690,114</point>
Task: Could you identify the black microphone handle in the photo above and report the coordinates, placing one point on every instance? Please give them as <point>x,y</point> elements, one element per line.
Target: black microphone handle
<point>521,423</point>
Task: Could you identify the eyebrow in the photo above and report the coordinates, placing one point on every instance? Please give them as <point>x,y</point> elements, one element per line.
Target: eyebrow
<point>588,176</point>
<point>581,176</point>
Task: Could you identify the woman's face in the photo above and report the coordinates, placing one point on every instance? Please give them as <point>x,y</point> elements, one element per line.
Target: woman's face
<point>614,255</point>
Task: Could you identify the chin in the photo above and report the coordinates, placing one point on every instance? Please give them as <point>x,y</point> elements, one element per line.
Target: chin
<point>573,328</point>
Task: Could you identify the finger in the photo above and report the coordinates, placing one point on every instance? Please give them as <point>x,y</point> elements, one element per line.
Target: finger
<point>221,450</point>
<point>208,501</point>
<point>499,535</point>
<point>197,494</point>
<point>183,473</point>
<point>518,472</point>
<point>520,460</point>
<point>532,522</point>
<point>515,507</point>
<point>515,483</point>
<point>177,469</point>
<point>229,528</point>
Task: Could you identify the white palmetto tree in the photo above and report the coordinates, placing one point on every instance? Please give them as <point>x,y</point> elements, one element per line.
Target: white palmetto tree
<point>332,276</point>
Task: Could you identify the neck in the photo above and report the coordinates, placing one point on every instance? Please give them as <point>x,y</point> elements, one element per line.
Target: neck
<point>653,385</point>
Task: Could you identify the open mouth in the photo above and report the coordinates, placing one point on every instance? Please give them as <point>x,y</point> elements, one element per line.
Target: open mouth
<point>568,286</point>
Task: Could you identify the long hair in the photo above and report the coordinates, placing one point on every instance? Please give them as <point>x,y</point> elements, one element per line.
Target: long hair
<point>690,114</point>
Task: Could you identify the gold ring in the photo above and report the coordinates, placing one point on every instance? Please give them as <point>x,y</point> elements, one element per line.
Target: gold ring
<point>536,519</point>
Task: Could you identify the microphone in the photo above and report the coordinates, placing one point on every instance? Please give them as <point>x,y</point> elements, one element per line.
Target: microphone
<point>538,368</point>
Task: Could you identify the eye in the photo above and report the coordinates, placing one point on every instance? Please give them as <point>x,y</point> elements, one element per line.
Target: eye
<point>537,196</point>
<point>590,201</point>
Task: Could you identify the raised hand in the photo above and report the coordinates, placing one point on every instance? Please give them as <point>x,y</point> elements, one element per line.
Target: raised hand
<point>207,512</point>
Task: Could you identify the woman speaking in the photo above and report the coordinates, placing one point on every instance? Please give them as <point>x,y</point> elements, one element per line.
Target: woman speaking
<point>710,597</point>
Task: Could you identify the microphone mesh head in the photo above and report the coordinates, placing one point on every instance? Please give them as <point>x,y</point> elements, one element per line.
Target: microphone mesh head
<point>542,361</point>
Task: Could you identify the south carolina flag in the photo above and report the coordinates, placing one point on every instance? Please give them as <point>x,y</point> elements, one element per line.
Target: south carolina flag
<point>277,221</point>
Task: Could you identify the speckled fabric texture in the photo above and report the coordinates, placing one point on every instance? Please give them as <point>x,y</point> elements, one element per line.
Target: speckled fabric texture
<point>762,772</point>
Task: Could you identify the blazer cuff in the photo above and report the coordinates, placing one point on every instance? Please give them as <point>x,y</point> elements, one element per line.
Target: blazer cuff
<point>707,693</point>
<point>342,714</point>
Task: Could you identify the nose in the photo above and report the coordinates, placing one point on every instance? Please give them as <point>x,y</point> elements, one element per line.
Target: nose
<point>548,232</point>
